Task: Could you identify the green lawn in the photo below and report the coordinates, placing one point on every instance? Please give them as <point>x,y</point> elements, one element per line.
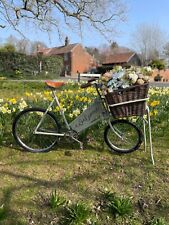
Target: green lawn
<point>18,88</point>
<point>80,176</point>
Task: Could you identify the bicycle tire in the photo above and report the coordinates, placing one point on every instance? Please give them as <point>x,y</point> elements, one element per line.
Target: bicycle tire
<point>24,125</point>
<point>126,138</point>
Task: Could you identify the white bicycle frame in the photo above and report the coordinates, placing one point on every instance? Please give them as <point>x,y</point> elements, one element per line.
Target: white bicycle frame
<point>94,113</point>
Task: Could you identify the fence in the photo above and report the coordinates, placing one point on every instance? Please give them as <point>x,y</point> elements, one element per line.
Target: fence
<point>87,75</point>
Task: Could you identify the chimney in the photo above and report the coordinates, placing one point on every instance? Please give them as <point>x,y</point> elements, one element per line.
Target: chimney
<point>66,41</point>
<point>39,49</point>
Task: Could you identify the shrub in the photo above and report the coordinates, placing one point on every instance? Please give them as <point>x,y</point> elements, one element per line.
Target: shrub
<point>158,64</point>
<point>12,62</point>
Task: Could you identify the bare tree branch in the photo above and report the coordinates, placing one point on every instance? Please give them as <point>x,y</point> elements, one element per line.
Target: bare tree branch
<point>55,13</point>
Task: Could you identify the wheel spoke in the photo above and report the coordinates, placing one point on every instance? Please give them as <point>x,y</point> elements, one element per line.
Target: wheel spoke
<point>24,130</point>
<point>122,136</point>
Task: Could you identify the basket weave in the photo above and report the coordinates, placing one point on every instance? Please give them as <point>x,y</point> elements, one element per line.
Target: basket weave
<point>128,94</point>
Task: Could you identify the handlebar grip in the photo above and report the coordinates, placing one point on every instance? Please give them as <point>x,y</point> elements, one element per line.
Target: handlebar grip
<point>91,80</point>
<point>86,85</point>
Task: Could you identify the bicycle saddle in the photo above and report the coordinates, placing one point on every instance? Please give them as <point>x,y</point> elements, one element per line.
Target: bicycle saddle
<point>54,84</point>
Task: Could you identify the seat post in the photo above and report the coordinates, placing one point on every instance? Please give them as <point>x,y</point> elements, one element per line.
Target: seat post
<point>60,109</point>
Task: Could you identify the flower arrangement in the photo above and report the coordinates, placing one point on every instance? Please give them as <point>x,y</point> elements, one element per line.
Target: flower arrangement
<point>119,78</point>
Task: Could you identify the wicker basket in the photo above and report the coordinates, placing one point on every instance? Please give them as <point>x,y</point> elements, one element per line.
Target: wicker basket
<point>128,94</point>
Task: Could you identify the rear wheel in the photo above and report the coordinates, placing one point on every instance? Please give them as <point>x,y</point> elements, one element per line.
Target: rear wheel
<point>122,136</point>
<point>24,126</point>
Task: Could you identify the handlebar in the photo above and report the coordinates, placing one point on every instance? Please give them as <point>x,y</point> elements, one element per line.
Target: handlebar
<point>86,85</point>
<point>89,83</point>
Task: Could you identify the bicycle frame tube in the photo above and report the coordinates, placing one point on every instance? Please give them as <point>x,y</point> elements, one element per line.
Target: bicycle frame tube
<point>55,99</point>
<point>95,112</point>
<point>116,131</point>
<point>61,111</point>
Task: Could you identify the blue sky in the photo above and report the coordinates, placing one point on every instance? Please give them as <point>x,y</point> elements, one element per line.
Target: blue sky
<point>139,11</point>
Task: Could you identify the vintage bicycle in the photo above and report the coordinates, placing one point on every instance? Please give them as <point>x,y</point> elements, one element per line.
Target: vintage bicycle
<point>38,130</point>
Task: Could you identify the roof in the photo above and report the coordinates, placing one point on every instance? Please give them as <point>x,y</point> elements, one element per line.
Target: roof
<point>118,58</point>
<point>58,50</point>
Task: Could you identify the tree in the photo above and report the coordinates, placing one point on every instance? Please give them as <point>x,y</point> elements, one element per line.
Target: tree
<point>166,49</point>
<point>35,45</point>
<point>23,46</point>
<point>8,48</point>
<point>12,40</point>
<point>157,64</point>
<point>148,41</point>
<point>94,52</point>
<point>48,14</point>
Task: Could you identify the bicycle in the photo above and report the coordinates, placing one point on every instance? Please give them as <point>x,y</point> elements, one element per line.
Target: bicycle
<point>38,130</point>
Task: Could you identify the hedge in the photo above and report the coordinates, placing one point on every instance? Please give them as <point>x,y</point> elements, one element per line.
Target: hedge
<point>18,65</point>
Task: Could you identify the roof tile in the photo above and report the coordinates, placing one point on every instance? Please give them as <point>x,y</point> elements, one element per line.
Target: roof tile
<point>58,50</point>
<point>118,58</point>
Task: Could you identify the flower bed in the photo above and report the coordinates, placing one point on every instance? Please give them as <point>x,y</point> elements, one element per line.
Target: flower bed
<point>74,100</point>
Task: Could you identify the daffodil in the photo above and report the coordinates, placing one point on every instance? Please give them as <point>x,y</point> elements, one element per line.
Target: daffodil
<point>154,103</point>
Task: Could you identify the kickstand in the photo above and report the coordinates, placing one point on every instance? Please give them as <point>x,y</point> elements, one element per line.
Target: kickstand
<point>80,143</point>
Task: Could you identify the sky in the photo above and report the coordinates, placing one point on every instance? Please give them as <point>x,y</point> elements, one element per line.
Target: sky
<point>155,12</point>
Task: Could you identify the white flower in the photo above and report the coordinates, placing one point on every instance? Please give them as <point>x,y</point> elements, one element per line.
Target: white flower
<point>84,108</point>
<point>22,105</point>
<point>76,112</point>
<point>3,109</point>
<point>148,68</point>
<point>71,115</point>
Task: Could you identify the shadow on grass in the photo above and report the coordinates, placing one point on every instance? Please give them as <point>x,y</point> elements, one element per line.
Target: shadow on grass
<point>125,167</point>
<point>66,184</point>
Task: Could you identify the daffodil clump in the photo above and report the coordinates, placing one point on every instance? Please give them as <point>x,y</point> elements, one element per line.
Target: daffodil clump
<point>159,105</point>
<point>74,101</point>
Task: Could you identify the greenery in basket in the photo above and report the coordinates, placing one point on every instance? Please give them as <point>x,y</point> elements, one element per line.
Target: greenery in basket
<point>124,77</point>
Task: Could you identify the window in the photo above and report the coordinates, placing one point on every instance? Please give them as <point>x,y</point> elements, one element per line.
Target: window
<point>65,56</point>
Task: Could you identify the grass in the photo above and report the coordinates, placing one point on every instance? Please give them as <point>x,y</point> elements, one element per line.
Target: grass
<point>80,176</point>
<point>9,88</point>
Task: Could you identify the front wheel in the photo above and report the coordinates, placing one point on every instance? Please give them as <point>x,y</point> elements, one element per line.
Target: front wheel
<point>122,136</point>
<point>24,126</point>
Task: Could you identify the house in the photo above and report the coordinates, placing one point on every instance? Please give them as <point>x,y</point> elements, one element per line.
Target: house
<point>75,57</point>
<point>123,59</point>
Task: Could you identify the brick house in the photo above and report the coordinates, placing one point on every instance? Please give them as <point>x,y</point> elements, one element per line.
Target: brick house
<point>123,59</point>
<point>75,57</point>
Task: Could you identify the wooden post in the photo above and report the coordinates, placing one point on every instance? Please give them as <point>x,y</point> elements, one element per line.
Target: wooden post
<point>78,76</point>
